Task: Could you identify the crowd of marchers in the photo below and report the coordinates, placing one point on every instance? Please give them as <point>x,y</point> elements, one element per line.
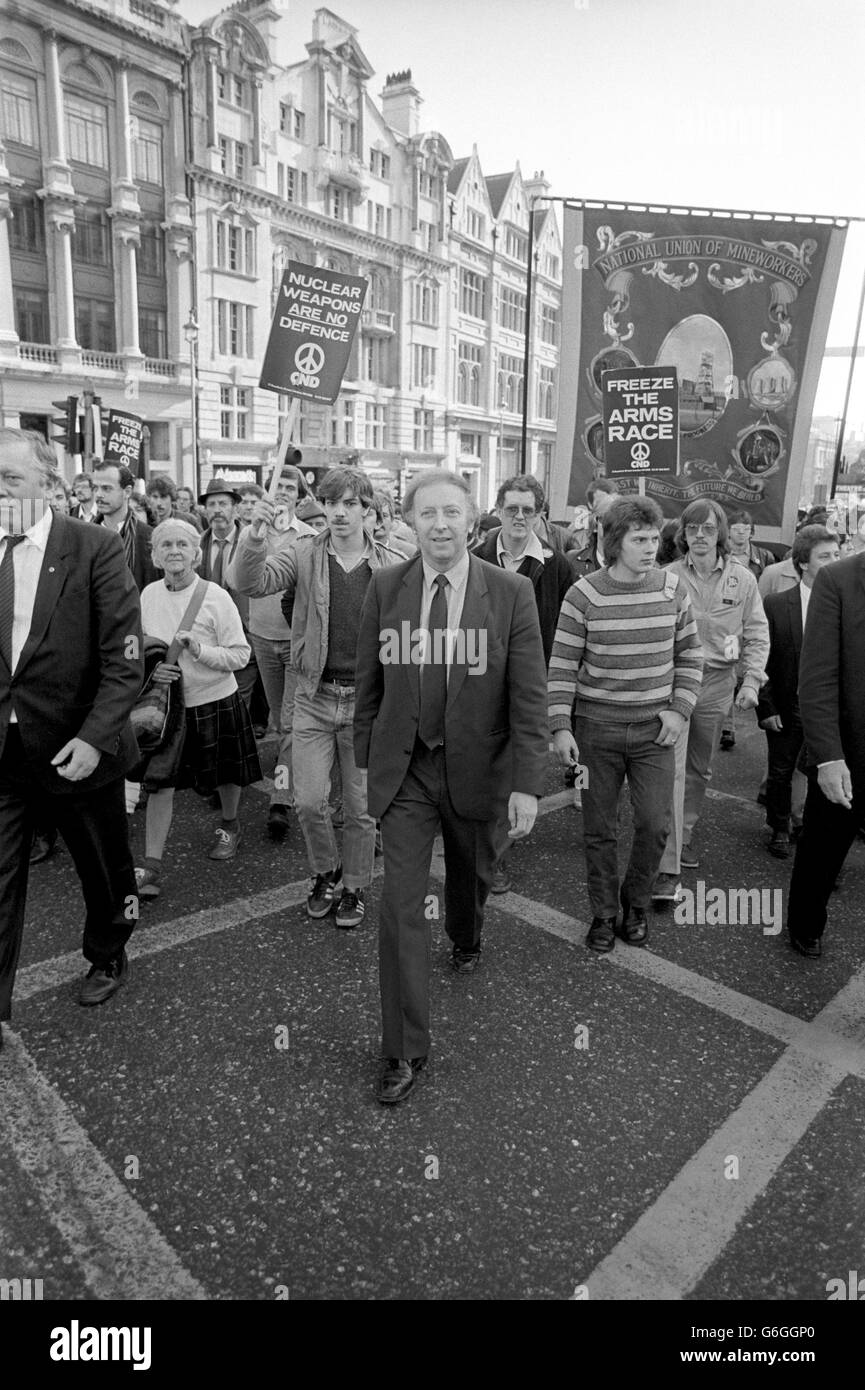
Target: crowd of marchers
<point>628,640</point>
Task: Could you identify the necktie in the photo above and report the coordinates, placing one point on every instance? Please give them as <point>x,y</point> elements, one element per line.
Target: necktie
<point>434,685</point>
<point>7,598</point>
<point>216,570</point>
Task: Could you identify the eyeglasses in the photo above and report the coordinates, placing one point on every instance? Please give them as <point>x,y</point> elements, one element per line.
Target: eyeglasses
<point>706,527</point>
<point>519,511</point>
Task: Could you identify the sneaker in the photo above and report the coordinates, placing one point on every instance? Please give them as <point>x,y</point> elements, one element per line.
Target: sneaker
<point>324,887</point>
<point>688,858</point>
<point>350,908</point>
<point>728,740</point>
<point>104,980</point>
<point>225,843</point>
<point>667,888</point>
<point>147,883</point>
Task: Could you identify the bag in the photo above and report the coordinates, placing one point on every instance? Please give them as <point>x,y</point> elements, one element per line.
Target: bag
<point>159,707</point>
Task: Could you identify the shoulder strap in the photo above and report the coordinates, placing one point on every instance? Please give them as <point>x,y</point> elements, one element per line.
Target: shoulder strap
<point>187,620</point>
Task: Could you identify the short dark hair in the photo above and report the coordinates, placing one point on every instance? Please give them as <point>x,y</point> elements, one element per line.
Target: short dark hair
<point>125,477</point>
<point>740,519</point>
<point>426,477</point>
<point>246,488</point>
<point>601,485</point>
<point>805,541</point>
<point>703,509</point>
<point>624,514</point>
<point>338,481</point>
<point>162,486</point>
<point>382,500</point>
<point>521,482</point>
<point>83,478</point>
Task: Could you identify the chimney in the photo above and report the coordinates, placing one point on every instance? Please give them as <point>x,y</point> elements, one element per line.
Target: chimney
<point>401,103</point>
<point>538,186</point>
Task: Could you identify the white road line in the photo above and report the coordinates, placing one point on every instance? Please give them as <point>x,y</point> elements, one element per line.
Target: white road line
<point>120,1251</point>
<point>679,1237</point>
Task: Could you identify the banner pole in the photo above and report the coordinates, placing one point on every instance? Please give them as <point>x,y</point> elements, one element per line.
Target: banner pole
<point>839,445</point>
<point>287,432</point>
<point>527,353</point>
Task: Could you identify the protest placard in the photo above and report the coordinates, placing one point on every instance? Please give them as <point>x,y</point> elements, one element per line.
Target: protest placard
<point>123,440</point>
<point>641,421</point>
<point>314,324</point>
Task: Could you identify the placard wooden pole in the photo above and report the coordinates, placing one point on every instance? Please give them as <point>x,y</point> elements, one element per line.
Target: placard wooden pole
<point>287,432</point>
<point>641,484</point>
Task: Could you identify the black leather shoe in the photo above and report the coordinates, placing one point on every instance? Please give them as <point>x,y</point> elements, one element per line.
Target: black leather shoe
<point>779,845</point>
<point>42,847</point>
<point>104,980</point>
<point>278,821</point>
<point>464,962</point>
<point>634,928</point>
<point>397,1078</point>
<point>807,946</point>
<point>602,934</point>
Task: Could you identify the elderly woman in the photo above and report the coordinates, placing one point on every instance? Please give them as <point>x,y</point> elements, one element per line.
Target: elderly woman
<point>219,748</point>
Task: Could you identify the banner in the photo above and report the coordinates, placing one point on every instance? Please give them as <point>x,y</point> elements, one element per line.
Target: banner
<point>740,306</point>
<point>314,323</point>
<point>123,440</point>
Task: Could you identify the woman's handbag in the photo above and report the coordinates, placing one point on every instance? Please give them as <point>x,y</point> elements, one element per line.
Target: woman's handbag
<point>159,706</point>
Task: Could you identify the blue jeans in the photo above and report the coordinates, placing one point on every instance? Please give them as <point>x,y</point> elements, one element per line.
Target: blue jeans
<point>280,682</point>
<point>323,732</point>
<point>610,752</point>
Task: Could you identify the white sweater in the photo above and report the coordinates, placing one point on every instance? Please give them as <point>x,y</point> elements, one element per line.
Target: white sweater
<point>217,626</point>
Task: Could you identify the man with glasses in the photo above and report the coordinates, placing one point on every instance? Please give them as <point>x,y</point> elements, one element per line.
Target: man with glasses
<point>518,547</point>
<point>756,559</point>
<point>732,627</point>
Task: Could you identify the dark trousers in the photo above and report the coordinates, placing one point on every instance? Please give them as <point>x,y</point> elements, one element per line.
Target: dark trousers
<point>408,829</point>
<point>94,827</point>
<point>610,752</point>
<point>784,749</point>
<point>828,831</point>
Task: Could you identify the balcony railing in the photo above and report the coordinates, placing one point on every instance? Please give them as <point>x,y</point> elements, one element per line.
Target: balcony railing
<point>38,352</point>
<point>108,361</point>
<point>377,320</point>
<point>159,366</point>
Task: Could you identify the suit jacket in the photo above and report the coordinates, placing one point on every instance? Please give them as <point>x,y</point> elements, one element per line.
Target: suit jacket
<point>144,571</point>
<point>81,668</point>
<point>832,668</point>
<point>778,694</point>
<point>550,581</point>
<point>496,736</point>
<point>241,602</point>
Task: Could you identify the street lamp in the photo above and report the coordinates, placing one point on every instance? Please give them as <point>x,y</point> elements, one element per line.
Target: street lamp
<point>190,333</point>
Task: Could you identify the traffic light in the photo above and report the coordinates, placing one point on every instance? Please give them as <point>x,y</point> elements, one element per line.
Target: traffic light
<point>69,433</point>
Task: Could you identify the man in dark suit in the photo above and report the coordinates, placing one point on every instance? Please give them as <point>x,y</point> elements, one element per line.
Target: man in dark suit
<point>778,703</point>
<point>450,723</point>
<point>218,544</point>
<point>832,705</point>
<point>70,670</point>
<point>112,489</point>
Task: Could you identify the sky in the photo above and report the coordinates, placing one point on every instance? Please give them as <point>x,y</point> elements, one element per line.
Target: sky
<point>744,105</point>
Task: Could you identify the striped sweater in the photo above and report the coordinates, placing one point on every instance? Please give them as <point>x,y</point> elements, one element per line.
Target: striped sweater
<point>626,651</point>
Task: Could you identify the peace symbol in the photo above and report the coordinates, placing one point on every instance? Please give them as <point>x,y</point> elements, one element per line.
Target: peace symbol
<point>309,359</point>
<point>639,452</point>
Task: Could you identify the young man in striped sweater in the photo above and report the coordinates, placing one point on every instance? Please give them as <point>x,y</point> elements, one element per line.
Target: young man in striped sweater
<point>627,647</point>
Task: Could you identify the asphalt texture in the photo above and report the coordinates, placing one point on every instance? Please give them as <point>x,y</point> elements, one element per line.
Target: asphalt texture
<point>680,1122</point>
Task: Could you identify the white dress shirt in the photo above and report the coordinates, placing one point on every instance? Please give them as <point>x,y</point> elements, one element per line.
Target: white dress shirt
<point>27,564</point>
<point>804,598</point>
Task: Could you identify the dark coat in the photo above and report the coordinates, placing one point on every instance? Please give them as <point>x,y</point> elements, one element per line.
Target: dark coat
<point>550,580</point>
<point>204,568</point>
<point>144,571</point>
<point>496,735</point>
<point>832,668</point>
<point>779,693</point>
<point>81,667</point>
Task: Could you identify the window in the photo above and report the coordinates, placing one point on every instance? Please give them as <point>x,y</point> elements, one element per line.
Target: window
<point>160,440</point>
<point>426,302</point>
<point>91,242</point>
<point>512,310</point>
<point>291,183</point>
<point>429,236</point>
<point>426,185</point>
<point>544,465</point>
<point>94,324</point>
<point>231,88</point>
<point>423,366</point>
<point>375,426</point>
<point>423,431</point>
<point>151,256</point>
<point>31,316</point>
<point>510,382</point>
<point>342,134</point>
<point>547,393</point>
<point>376,360</point>
<point>299,125</point>
<point>472,294</point>
<point>342,425</point>
<point>235,248</point>
<point>87,132</point>
<point>378,219</point>
<point>146,151</point>
<point>233,157</point>
<point>470,445</point>
<point>19,110</point>
<point>152,334</point>
<point>338,202</point>
<point>284,118</point>
<point>476,225</point>
<point>234,329</point>
<point>379,164</point>
<point>27,227</point>
<point>552,266</point>
<point>235,408</point>
<point>469,374</point>
<point>516,244</point>
<point>549,324</point>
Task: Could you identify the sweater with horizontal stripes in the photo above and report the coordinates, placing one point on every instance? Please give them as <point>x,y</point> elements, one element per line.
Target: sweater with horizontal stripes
<point>625,651</point>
